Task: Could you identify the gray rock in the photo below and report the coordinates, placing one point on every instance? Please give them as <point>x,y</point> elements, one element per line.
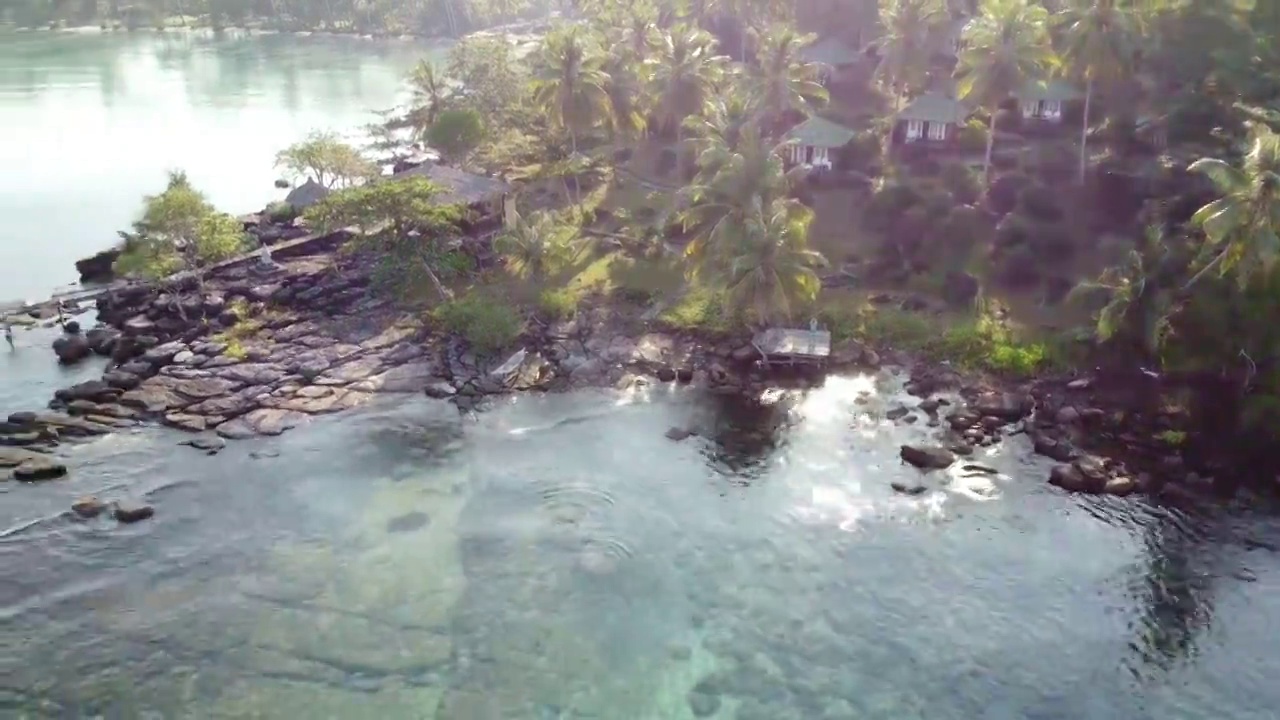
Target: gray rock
<point>121,379</point>
<point>905,489</point>
<point>88,507</point>
<point>190,423</point>
<point>1005,406</point>
<point>897,413</point>
<point>184,358</point>
<point>678,433</point>
<point>1056,449</point>
<point>1081,384</point>
<point>439,389</point>
<point>211,444</point>
<point>927,458</point>
<point>163,354</point>
<point>1067,415</point>
<point>1121,485</point>
<point>102,340</point>
<point>1069,478</point>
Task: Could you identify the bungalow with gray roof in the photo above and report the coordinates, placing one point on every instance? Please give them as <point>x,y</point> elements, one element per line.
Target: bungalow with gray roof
<point>490,197</point>
<point>816,142</point>
<point>835,58</point>
<point>932,117</point>
<point>1045,101</point>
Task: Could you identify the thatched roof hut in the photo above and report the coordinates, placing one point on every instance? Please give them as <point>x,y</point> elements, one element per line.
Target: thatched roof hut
<point>307,194</point>
<point>459,186</point>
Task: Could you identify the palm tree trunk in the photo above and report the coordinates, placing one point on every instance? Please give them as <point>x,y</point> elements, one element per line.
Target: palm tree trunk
<point>1084,130</point>
<point>991,144</point>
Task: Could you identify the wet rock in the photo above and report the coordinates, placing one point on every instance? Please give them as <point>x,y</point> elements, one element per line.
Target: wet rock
<point>929,407</point>
<point>897,413</point>
<point>408,522</point>
<point>102,340</point>
<point>88,507</point>
<point>927,458</point>
<point>684,375</point>
<point>93,390</point>
<point>263,421</point>
<point>22,419</point>
<point>1009,407</point>
<point>111,410</point>
<point>352,371</point>
<point>121,379</point>
<point>1059,450</point>
<point>39,468</point>
<point>211,444</point>
<point>961,448</point>
<point>71,327</point>
<point>184,357</point>
<point>71,349</point>
<point>69,426</point>
<point>991,422</point>
<point>131,511</point>
<point>439,389</point>
<point>190,423</point>
<point>1081,384</point>
<point>666,374</point>
<point>1121,485</point>
<point>20,439</point>
<point>678,433</point>
<point>905,489</point>
<point>407,378</point>
<point>1066,415</point>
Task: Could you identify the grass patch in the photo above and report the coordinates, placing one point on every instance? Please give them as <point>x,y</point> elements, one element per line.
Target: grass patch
<point>977,342</point>
<point>486,322</point>
<point>559,304</point>
<point>700,309</point>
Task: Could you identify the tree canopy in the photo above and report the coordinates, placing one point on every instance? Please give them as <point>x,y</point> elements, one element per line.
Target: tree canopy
<point>325,159</point>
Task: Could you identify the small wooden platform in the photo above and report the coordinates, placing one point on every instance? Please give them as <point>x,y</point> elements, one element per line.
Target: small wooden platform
<point>792,347</point>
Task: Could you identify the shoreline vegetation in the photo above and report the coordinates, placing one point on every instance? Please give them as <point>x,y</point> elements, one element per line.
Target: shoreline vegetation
<point>1000,196</point>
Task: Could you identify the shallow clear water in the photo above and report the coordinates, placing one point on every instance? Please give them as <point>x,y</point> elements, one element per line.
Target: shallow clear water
<point>89,123</point>
<point>559,558</point>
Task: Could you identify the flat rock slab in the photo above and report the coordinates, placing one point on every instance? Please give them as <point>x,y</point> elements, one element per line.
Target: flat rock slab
<point>13,457</point>
<point>350,372</point>
<point>253,373</point>
<point>407,378</point>
<point>263,421</point>
<point>37,469</point>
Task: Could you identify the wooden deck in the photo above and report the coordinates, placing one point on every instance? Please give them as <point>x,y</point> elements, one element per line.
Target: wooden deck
<point>791,347</point>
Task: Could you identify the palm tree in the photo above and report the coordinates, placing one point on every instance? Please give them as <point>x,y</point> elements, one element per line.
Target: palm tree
<point>1136,308</point>
<point>1005,47</point>
<point>1241,225</point>
<point>732,180</point>
<point>569,84</point>
<point>783,83</point>
<point>720,128</point>
<point>686,70</point>
<point>772,269</point>
<point>905,46</point>
<point>537,245</point>
<point>430,90</point>
<point>1099,46</point>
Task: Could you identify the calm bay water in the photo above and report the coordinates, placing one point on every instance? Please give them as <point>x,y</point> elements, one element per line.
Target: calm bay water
<point>89,123</point>
<point>556,557</point>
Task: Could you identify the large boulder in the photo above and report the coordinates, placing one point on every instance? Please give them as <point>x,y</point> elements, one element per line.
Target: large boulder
<point>102,340</point>
<point>927,458</point>
<point>71,349</point>
<point>960,289</point>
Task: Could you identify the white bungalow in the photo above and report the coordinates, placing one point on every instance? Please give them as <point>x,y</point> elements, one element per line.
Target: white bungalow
<point>931,117</point>
<point>816,142</point>
<point>1046,101</point>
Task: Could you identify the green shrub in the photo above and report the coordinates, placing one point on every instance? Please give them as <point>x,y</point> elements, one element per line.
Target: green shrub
<point>700,309</point>
<point>557,304</point>
<point>486,323</point>
<point>1019,266</point>
<point>962,182</point>
<point>986,343</point>
<point>281,213</point>
<point>958,234</point>
<point>1040,202</point>
<point>972,138</point>
<point>1002,196</point>
<point>1013,231</point>
<point>888,204</point>
<point>1053,242</point>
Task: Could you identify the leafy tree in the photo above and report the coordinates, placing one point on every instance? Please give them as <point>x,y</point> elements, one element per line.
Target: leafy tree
<point>401,220</point>
<point>1099,46</point>
<point>324,158</point>
<point>905,46</point>
<point>456,134</point>
<point>1135,308</point>
<point>493,83</point>
<point>179,229</point>
<point>1240,227</point>
<point>772,270</point>
<point>1005,47</point>
<point>569,84</point>
<point>782,83</point>
<point>537,245</point>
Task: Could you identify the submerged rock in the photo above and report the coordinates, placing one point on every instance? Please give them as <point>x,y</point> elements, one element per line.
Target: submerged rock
<point>37,468</point>
<point>927,458</point>
<point>678,433</point>
<point>129,511</point>
<point>906,489</point>
<point>88,507</point>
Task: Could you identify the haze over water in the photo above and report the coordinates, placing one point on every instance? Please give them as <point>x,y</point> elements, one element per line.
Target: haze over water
<point>556,557</point>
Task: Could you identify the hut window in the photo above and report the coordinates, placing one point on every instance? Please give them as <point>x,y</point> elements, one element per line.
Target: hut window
<point>915,129</point>
<point>937,131</point>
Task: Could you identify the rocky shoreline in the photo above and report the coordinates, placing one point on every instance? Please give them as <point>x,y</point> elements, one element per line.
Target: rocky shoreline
<point>254,352</point>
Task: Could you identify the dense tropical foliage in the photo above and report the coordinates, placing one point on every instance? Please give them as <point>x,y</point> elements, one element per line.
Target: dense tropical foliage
<point>660,135</point>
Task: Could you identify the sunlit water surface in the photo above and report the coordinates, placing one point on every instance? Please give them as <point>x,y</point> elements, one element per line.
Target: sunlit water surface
<point>558,557</point>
